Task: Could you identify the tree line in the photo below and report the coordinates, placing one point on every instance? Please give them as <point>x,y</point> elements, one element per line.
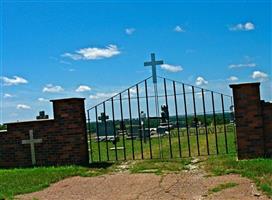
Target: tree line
<point>3,127</point>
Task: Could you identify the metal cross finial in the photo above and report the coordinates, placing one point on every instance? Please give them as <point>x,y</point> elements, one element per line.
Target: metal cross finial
<point>153,63</point>
<point>32,142</point>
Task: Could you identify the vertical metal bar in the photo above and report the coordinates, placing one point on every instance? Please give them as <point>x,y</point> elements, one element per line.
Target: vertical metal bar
<point>214,121</point>
<point>139,116</point>
<point>114,129</point>
<point>130,124</point>
<point>90,135</point>
<point>195,116</point>
<point>205,121</point>
<point>234,125</point>
<point>224,121</point>
<point>177,118</point>
<point>186,120</point>
<point>168,125</point>
<point>148,120</point>
<point>122,124</point>
<point>158,116</point>
<point>97,135</point>
<point>106,131</point>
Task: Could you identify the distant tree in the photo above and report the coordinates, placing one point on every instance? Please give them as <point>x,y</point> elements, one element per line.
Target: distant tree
<point>3,127</point>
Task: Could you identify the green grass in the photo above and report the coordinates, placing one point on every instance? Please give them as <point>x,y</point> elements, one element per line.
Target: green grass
<point>20,181</point>
<point>166,146</point>
<point>258,170</point>
<point>159,166</point>
<point>222,186</point>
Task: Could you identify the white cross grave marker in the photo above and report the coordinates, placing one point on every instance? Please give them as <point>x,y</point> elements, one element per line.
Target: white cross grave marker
<point>32,143</point>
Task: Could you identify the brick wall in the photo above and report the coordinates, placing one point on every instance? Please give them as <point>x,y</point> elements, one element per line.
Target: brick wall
<point>64,138</point>
<point>253,121</point>
<point>267,119</point>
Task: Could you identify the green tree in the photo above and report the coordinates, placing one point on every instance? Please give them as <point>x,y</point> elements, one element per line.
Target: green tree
<point>3,127</point>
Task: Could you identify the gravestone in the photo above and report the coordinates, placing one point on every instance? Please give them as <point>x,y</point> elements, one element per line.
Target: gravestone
<point>102,131</point>
<point>163,127</point>
<point>164,114</point>
<point>103,117</point>
<point>42,115</point>
<point>105,128</point>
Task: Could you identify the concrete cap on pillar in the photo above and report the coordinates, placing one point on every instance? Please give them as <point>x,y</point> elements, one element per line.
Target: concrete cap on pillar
<point>244,84</point>
<point>67,99</point>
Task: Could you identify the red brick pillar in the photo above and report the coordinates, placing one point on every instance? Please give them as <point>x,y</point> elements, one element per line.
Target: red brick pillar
<point>70,122</point>
<point>249,120</point>
<point>267,119</point>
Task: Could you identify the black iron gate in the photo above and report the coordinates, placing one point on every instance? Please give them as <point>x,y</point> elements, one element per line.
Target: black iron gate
<point>192,121</point>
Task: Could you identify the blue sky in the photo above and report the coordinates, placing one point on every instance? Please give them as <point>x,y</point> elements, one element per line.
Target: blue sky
<point>49,50</point>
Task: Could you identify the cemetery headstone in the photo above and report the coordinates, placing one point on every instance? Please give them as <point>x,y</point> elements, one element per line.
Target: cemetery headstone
<point>164,114</point>
<point>42,115</point>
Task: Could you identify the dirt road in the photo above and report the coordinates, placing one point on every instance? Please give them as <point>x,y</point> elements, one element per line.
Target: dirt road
<point>125,186</point>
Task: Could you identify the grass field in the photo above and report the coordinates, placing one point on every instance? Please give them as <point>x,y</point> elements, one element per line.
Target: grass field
<point>231,147</point>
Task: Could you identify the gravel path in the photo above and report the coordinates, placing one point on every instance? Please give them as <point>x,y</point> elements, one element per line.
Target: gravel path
<point>125,186</point>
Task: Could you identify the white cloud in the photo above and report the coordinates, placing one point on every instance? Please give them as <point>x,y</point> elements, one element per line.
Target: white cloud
<point>133,90</point>
<point>130,31</point>
<point>53,89</point>
<point>242,65</point>
<point>199,94</point>
<point>200,81</point>
<point>73,56</point>
<point>8,95</point>
<point>83,88</point>
<point>233,78</point>
<point>259,75</point>
<point>102,95</point>
<point>179,29</point>
<point>188,88</point>
<point>16,80</point>
<point>23,107</point>
<point>43,99</point>
<point>171,68</point>
<point>65,62</point>
<point>93,53</point>
<point>248,26</point>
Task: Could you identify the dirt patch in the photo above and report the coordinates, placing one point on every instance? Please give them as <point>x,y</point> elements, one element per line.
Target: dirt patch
<point>123,186</point>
